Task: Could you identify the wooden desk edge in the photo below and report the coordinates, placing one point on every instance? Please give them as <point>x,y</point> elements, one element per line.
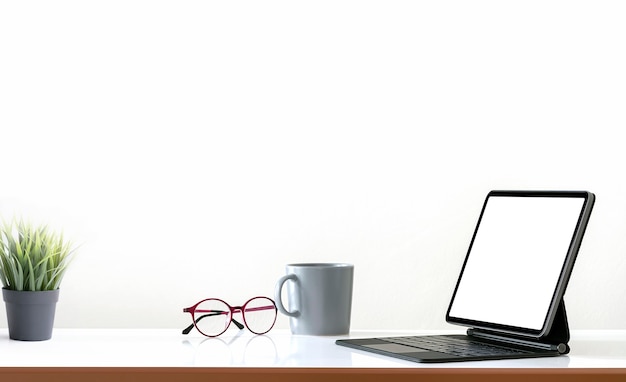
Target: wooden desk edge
<point>194,374</point>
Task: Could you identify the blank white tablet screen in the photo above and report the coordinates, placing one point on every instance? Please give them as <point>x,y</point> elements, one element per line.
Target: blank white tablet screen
<point>516,259</point>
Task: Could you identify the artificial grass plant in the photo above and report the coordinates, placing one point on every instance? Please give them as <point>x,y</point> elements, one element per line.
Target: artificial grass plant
<point>32,258</point>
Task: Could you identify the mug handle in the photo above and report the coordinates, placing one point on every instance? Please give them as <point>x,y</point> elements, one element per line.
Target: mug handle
<point>278,295</point>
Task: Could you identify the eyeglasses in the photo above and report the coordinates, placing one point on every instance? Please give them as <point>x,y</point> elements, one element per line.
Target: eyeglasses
<point>211,317</point>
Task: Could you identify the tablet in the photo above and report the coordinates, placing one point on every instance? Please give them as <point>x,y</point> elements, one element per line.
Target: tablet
<point>519,261</point>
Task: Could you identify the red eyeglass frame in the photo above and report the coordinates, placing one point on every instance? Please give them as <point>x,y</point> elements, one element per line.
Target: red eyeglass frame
<point>232,310</point>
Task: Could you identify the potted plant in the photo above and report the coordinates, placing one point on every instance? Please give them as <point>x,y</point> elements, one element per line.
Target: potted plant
<point>33,260</point>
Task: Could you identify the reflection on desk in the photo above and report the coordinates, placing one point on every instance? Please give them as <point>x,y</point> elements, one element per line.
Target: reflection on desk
<point>279,348</point>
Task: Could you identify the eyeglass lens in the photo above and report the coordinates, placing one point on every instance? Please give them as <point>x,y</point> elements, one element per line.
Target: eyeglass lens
<point>212,317</point>
<point>260,315</point>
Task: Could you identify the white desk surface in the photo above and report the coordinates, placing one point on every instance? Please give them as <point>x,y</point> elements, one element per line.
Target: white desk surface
<point>279,348</point>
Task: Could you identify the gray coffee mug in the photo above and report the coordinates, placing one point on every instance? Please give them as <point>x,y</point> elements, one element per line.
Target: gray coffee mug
<point>320,297</point>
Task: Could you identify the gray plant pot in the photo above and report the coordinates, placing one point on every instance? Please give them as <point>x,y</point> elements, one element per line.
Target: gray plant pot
<point>30,315</point>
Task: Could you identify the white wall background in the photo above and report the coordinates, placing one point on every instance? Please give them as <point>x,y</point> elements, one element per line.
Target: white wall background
<point>195,147</point>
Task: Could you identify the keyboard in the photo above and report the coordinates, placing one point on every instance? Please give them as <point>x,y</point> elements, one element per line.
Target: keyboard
<point>457,346</point>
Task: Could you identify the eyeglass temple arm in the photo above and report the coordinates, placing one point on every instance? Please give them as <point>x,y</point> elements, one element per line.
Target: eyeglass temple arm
<point>257,308</point>
<point>216,313</point>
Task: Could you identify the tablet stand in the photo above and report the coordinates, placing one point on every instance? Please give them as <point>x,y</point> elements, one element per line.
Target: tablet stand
<point>556,339</point>
<point>559,332</point>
